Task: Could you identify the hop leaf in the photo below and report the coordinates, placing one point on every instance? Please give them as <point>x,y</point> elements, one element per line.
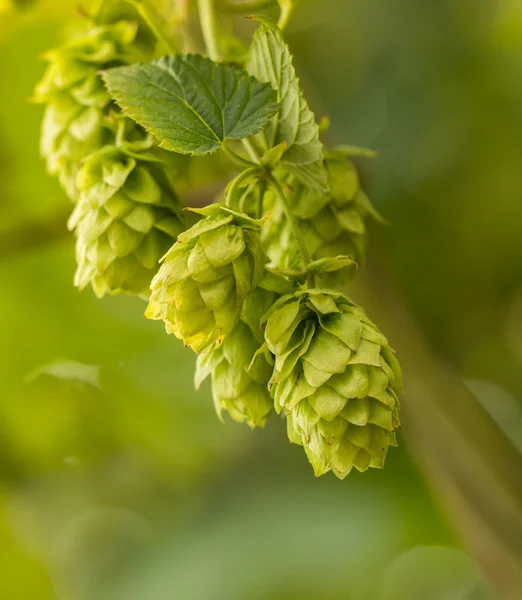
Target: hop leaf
<point>206,276</point>
<point>294,123</point>
<point>240,373</point>
<point>335,378</point>
<point>190,103</point>
<point>77,101</point>
<point>127,217</point>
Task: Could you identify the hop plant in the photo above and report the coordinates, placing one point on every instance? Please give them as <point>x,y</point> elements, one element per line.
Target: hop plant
<point>76,99</point>
<point>243,286</point>
<point>206,276</point>
<point>240,373</point>
<point>335,378</point>
<point>126,218</point>
<point>331,224</point>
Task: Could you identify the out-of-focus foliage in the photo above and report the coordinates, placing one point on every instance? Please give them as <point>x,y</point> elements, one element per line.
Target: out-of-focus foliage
<point>133,489</point>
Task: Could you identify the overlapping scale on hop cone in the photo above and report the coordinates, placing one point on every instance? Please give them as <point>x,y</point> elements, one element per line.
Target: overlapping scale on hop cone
<point>206,276</point>
<point>331,225</point>
<point>127,217</point>
<point>239,373</point>
<point>335,378</point>
<point>76,98</point>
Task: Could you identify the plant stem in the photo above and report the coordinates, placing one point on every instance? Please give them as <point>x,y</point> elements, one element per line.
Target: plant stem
<point>286,11</point>
<point>307,259</point>
<point>237,158</point>
<point>120,134</point>
<point>239,180</point>
<point>249,147</point>
<point>207,18</point>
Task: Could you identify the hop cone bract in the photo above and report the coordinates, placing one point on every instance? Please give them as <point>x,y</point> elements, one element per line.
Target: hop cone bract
<point>126,218</point>
<point>335,378</point>
<point>76,98</point>
<point>205,277</point>
<point>240,373</point>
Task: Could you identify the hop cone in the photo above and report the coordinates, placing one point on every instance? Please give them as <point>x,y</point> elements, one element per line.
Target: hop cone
<point>239,373</point>
<point>336,379</point>
<point>76,98</point>
<point>126,218</point>
<point>205,277</point>
<point>331,225</point>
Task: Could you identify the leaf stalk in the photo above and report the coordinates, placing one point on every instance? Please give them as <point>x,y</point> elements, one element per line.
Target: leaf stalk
<point>237,158</point>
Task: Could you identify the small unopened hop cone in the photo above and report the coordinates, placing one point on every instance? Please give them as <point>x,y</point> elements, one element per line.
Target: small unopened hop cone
<point>76,98</point>
<point>206,276</point>
<point>239,373</point>
<point>127,217</point>
<point>336,379</point>
<point>331,225</point>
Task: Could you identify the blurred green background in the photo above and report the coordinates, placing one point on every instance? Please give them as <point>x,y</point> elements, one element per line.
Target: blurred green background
<point>120,483</point>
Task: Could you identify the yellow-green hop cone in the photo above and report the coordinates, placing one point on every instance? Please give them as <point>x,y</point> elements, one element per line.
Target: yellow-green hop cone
<point>331,225</point>
<point>76,98</point>
<point>335,378</point>
<point>127,217</point>
<point>240,373</point>
<point>206,276</point>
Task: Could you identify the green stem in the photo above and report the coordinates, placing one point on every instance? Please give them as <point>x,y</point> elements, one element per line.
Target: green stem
<point>120,133</point>
<point>237,158</point>
<point>249,147</point>
<point>307,259</point>
<point>209,28</point>
<point>144,14</point>
<point>239,180</point>
<point>286,12</point>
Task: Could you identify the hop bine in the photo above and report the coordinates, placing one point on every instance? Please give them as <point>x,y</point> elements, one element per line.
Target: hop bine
<point>126,218</point>
<point>335,378</point>
<point>206,276</point>
<point>77,101</point>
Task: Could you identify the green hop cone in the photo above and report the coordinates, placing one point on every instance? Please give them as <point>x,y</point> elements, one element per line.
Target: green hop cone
<point>206,276</point>
<point>331,225</point>
<point>127,217</point>
<point>335,378</point>
<point>76,99</point>
<point>240,373</point>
